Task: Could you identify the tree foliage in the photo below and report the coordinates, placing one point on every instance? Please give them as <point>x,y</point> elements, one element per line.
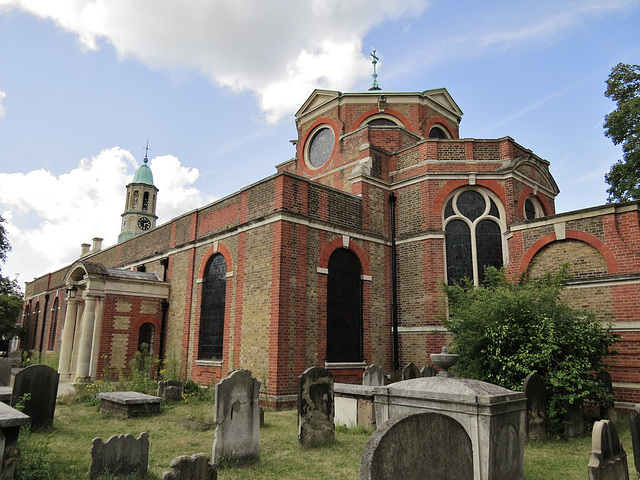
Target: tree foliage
<point>505,331</point>
<point>10,294</point>
<point>622,126</point>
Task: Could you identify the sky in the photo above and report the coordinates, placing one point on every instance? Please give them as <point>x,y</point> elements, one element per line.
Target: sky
<point>213,87</point>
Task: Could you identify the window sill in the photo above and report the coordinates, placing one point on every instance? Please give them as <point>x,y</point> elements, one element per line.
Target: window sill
<point>343,365</point>
<point>209,363</point>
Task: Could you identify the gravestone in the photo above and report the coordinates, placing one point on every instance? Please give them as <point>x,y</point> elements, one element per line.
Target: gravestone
<point>608,459</point>
<point>573,419</point>
<point>121,455</point>
<point>40,382</point>
<point>129,404</point>
<point>423,445</point>
<point>536,392</point>
<point>171,390</point>
<point>194,467</point>
<point>315,407</point>
<point>5,372</point>
<point>373,376</point>
<point>16,358</point>
<point>237,418</point>
<point>428,371</point>
<point>11,421</point>
<point>634,426</point>
<point>607,413</point>
<point>410,371</point>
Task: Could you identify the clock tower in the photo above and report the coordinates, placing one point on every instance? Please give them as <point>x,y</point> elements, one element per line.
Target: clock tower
<point>140,208</point>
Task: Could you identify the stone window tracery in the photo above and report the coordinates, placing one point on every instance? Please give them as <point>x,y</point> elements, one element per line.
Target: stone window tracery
<point>473,235</point>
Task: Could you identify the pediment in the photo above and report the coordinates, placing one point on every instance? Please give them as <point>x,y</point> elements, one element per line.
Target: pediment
<point>529,168</point>
<point>316,100</point>
<point>442,97</point>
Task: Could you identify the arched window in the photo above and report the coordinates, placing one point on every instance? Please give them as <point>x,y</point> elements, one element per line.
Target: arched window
<point>473,235</point>
<point>136,199</point>
<point>212,311</point>
<point>344,307</point>
<point>437,132</point>
<point>532,208</point>
<point>145,201</point>
<point>36,314</point>
<point>54,324</point>
<point>26,319</point>
<point>146,336</point>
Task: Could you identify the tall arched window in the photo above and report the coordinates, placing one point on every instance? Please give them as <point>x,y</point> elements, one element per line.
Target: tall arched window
<point>54,324</point>
<point>473,235</point>
<point>26,320</point>
<point>36,315</point>
<point>212,311</point>
<point>344,307</point>
<point>145,201</point>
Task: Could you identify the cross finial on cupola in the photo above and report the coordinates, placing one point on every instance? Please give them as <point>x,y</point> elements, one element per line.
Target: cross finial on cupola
<point>146,152</point>
<point>374,85</point>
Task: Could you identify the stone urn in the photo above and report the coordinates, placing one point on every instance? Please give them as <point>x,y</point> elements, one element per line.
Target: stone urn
<point>445,361</point>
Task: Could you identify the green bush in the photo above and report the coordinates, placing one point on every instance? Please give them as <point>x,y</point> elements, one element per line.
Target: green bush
<point>505,331</point>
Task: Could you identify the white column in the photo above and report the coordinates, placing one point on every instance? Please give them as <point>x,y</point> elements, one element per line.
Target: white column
<point>86,337</point>
<point>64,368</point>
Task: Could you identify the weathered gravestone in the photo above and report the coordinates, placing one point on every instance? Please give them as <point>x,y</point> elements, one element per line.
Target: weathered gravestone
<point>120,456</point>
<point>129,404</point>
<point>170,390</point>
<point>10,422</point>
<point>606,412</point>
<point>608,459</point>
<point>16,358</point>
<point>5,372</point>
<point>237,418</point>
<point>428,371</point>
<point>36,388</point>
<point>573,419</point>
<point>410,371</point>
<point>373,376</point>
<point>315,407</point>
<point>428,446</point>
<point>536,392</point>
<point>634,424</point>
<point>194,467</point>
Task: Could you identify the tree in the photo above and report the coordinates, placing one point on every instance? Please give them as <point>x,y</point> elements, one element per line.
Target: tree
<point>505,331</point>
<point>622,126</point>
<point>11,299</point>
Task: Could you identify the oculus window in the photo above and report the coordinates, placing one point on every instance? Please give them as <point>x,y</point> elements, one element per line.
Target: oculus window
<point>344,307</point>
<point>212,311</point>
<point>473,235</point>
<point>320,147</point>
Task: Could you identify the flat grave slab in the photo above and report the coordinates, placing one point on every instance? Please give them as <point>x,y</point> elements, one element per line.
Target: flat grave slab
<point>5,394</point>
<point>129,404</point>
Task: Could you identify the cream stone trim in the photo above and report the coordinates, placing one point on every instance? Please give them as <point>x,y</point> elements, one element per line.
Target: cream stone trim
<point>419,238</point>
<point>344,365</point>
<point>209,363</point>
<point>560,230</point>
<point>609,209</point>
<point>323,271</point>
<point>345,241</point>
<point>367,278</point>
<point>423,329</point>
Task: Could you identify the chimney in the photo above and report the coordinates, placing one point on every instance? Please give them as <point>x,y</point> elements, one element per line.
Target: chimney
<point>84,250</point>
<point>97,245</point>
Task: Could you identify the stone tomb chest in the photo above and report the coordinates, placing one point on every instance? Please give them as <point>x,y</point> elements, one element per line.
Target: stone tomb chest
<point>493,417</point>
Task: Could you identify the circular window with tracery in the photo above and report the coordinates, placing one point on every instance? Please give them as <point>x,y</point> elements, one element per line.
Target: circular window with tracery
<point>320,147</point>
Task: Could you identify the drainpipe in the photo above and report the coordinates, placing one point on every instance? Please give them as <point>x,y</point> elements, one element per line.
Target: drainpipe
<point>163,321</point>
<point>394,284</point>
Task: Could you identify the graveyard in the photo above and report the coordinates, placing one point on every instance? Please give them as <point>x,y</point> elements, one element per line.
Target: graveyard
<point>65,446</point>
<point>165,436</point>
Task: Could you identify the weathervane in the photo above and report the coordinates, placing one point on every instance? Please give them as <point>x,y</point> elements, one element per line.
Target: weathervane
<point>146,151</point>
<point>375,85</point>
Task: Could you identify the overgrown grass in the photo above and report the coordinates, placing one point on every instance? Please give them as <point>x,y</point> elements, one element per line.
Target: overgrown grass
<point>64,449</point>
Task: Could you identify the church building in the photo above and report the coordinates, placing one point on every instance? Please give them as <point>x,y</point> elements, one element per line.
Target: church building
<point>336,259</point>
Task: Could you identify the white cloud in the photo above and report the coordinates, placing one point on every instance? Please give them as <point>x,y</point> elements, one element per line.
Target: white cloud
<point>265,47</point>
<point>3,110</point>
<point>48,217</point>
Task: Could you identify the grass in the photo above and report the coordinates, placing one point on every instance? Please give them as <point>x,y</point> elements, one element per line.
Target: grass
<point>64,449</point>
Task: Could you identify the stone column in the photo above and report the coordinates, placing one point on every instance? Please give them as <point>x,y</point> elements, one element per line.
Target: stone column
<point>66,347</point>
<point>86,337</point>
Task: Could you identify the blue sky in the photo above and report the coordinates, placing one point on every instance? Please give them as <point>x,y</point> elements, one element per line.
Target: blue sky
<point>214,85</point>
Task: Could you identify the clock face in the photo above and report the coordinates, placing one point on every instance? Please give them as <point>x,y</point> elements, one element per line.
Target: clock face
<point>144,223</point>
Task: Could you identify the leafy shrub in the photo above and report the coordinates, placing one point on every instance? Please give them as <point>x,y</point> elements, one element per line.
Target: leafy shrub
<point>505,331</point>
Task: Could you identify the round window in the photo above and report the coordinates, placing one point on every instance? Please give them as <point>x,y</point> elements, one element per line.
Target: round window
<point>321,147</point>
